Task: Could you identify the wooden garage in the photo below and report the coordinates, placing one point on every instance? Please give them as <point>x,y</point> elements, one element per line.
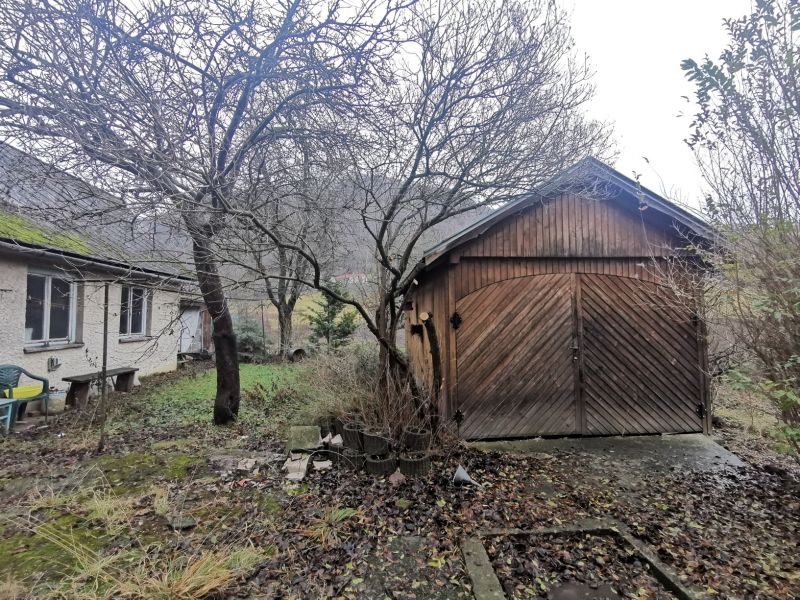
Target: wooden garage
<point>568,312</point>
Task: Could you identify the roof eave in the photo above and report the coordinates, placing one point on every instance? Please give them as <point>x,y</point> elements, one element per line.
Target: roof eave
<point>23,248</point>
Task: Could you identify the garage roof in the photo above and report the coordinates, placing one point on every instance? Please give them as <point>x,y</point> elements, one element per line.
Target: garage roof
<point>589,171</point>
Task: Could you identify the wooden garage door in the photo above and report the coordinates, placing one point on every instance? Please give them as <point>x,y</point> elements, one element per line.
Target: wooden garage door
<point>639,359</point>
<point>515,360</point>
<point>567,354</point>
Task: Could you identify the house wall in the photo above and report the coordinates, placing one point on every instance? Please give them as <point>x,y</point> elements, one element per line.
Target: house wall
<point>154,355</point>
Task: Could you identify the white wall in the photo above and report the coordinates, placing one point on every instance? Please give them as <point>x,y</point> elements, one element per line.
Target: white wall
<point>154,355</point>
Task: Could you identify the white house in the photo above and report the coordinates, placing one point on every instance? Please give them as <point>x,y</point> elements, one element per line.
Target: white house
<point>62,242</point>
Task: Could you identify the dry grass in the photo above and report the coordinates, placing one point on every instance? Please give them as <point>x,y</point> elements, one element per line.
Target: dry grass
<point>11,589</point>
<point>160,500</point>
<point>186,579</point>
<point>149,575</point>
<point>97,503</point>
<point>347,382</point>
<point>47,498</point>
<point>751,411</point>
<point>115,512</point>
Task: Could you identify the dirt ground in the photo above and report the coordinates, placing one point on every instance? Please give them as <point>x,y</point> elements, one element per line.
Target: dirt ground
<point>163,499</point>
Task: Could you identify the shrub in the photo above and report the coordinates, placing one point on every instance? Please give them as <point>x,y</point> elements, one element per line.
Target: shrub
<point>250,339</point>
<point>347,383</point>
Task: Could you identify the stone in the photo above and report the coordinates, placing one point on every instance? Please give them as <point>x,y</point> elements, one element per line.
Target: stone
<point>246,465</point>
<point>322,465</point>
<point>304,437</point>
<point>243,461</point>
<point>180,522</point>
<point>297,466</point>
<point>580,591</point>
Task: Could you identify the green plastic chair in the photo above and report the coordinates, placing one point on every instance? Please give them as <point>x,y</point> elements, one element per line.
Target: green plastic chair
<point>9,381</point>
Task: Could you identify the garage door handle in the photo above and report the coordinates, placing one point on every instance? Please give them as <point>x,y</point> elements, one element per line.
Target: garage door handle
<point>574,349</point>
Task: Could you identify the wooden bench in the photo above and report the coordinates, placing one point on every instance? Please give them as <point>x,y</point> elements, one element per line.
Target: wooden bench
<point>79,384</point>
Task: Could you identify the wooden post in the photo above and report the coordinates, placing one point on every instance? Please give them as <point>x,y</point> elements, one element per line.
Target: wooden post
<point>436,365</point>
<point>103,372</point>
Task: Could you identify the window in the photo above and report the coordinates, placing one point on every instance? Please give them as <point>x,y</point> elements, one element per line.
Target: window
<point>49,309</point>
<point>133,311</point>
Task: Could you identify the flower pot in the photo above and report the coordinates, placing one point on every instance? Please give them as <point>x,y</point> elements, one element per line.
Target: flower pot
<point>380,466</point>
<point>56,403</point>
<point>414,464</point>
<point>335,454</point>
<point>325,427</point>
<point>417,439</point>
<point>34,408</point>
<point>376,443</point>
<point>352,459</point>
<point>338,426</point>
<point>351,436</point>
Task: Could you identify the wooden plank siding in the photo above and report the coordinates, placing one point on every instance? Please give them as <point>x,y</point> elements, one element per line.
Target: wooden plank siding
<point>570,272</point>
<point>574,226</point>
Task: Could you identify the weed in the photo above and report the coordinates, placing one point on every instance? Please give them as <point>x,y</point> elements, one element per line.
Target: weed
<point>329,529</point>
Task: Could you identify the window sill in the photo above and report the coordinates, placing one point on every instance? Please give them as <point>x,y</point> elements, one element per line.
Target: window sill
<point>51,347</point>
<point>135,338</point>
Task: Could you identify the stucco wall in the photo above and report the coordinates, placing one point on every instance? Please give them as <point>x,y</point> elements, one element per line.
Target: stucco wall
<point>154,355</point>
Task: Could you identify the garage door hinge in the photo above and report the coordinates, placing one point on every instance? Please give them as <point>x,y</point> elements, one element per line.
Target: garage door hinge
<point>701,410</point>
<point>456,320</point>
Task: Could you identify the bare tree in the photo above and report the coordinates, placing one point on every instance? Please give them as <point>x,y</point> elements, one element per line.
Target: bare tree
<point>747,140</point>
<point>170,98</point>
<point>289,196</point>
<point>483,103</point>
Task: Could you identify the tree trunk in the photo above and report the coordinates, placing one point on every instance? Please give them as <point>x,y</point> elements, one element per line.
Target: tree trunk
<point>285,322</point>
<point>226,403</point>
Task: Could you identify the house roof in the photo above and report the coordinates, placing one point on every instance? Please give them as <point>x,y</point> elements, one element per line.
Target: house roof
<point>48,211</point>
<point>606,180</point>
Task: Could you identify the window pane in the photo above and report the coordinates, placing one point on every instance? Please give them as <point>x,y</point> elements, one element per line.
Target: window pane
<point>59,309</point>
<point>137,310</point>
<point>124,310</point>
<point>34,308</point>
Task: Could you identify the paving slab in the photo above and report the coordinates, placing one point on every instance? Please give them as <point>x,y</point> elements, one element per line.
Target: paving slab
<point>304,437</point>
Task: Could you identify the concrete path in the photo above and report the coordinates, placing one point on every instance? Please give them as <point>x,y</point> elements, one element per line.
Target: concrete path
<point>652,452</point>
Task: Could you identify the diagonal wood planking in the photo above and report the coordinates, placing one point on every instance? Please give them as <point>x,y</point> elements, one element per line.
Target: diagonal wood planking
<point>514,358</point>
<point>517,375</point>
<point>639,374</point>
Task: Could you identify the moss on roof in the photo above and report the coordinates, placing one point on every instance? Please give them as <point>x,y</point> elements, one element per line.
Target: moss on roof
<point>21,230</point>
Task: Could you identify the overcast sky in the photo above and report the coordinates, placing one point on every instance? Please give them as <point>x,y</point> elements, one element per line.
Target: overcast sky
<point>636,47</point>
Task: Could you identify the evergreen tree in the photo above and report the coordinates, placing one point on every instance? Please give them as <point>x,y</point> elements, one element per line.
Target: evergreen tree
<point>331,322</point>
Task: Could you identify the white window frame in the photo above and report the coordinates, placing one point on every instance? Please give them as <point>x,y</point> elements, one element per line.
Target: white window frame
<point>145,306</point>
<point>73,304</point>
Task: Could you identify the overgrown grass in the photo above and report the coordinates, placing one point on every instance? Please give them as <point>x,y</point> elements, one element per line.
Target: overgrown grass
<point>272,396</point>
<point>753,413</point>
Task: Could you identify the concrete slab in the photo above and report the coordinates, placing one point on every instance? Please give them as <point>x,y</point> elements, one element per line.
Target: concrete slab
<point>296,466</point>
<point>650,452</point>
<point>304,437</point>
<point>485,585</point>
